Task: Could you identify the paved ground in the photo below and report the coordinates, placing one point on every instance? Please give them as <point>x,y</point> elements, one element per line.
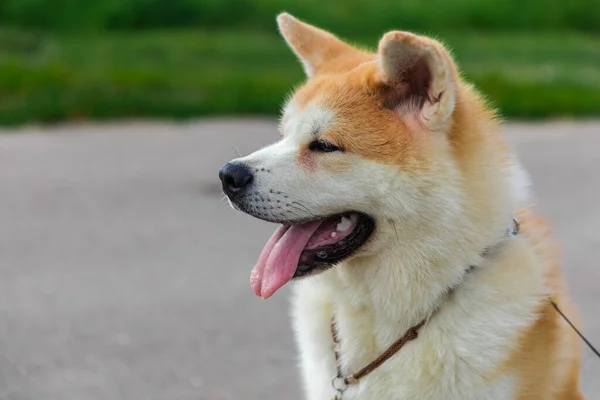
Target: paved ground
<point>123,276</point>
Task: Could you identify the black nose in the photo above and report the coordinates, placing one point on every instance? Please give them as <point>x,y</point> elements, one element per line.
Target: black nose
<point>235,177</point>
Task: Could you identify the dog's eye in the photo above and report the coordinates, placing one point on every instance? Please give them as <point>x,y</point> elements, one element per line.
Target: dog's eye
<point>323,146</point>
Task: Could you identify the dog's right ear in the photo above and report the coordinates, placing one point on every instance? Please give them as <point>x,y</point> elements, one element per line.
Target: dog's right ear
<point>314,47</point>
<point>418,77</point>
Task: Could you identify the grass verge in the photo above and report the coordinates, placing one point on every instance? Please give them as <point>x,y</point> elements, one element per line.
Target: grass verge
<point>180,74</point>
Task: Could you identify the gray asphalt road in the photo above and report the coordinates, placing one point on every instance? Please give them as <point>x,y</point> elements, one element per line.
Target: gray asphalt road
<point>123,276</point>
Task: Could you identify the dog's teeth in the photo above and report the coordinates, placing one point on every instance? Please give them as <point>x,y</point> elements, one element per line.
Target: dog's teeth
<point>344,224</point>
<point>333,234</point>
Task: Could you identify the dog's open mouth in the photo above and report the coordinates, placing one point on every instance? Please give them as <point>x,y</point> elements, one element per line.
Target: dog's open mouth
<point>305,249</point>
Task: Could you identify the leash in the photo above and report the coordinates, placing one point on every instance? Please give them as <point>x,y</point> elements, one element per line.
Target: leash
<point>590,345</point>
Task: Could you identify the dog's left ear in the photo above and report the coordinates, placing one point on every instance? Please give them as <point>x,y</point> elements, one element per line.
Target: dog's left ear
<point>318,50</point>
<point>417,78</point>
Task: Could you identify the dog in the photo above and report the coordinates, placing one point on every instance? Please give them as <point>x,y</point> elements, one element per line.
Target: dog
<point>409,226</point>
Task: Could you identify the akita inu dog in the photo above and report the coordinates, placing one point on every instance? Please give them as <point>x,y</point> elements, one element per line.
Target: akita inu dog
<point>399,198</point>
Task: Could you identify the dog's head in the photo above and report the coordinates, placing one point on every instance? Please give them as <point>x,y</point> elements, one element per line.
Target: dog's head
<point>365,154</point>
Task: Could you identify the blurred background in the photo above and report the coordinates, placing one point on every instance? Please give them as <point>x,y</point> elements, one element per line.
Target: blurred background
<point>123,274</point>
<point>78,59</point>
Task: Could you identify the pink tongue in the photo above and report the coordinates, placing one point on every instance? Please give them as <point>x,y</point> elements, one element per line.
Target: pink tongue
<point>279,259</point>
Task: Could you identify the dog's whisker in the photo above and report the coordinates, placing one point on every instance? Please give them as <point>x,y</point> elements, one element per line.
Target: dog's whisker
<point>301,206</point>
<point>396,230</point>
<point>296,213</point>
<point>237,152</point>
<point>297,203</point>
<point>297,208</point>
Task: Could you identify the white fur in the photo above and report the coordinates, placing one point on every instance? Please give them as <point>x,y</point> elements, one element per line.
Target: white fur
<point>425,239</point>
<point>302,123</point>
<point>521,183</point>
<point>467,339</point>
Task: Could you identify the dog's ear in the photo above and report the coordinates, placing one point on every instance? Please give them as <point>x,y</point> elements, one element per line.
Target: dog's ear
<point>417,77</point>
<point>316,48</point>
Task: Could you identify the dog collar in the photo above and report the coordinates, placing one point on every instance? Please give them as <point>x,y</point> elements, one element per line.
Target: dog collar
<point>340,382</point>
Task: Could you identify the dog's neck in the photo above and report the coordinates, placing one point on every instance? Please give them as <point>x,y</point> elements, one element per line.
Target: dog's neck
<point>382,292</point>
<point>391,291</point>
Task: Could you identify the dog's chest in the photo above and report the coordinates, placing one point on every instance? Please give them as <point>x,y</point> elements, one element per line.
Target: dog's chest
<point>407,383</point>
<point>460,352</point>
<point>430,367</point>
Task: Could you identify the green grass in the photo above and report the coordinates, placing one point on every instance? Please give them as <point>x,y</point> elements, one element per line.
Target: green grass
<point>185,73</point>
<point>342,16</point>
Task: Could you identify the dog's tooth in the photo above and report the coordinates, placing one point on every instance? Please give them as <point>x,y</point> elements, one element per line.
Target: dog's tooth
<point>333,234</point>
<point>344,224</point>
